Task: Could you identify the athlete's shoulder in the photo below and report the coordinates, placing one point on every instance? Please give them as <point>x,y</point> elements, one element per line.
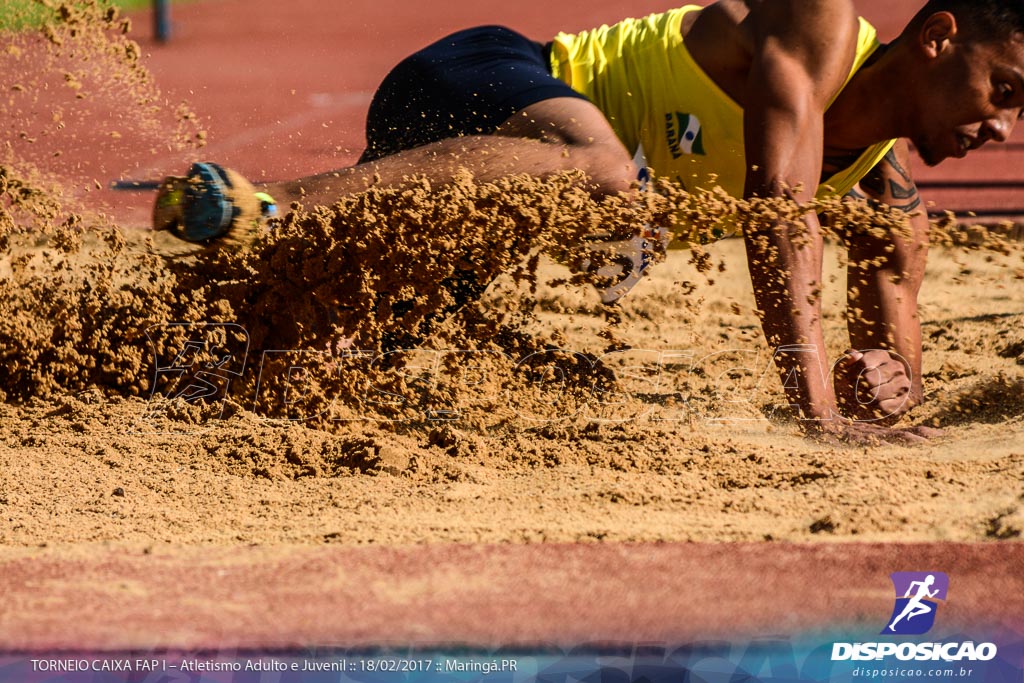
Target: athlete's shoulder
<point>815,22</point>
<point>814,27</point>
<point>816,40</point>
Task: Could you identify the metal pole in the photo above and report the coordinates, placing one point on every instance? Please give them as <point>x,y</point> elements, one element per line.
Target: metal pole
<point>161,20</point>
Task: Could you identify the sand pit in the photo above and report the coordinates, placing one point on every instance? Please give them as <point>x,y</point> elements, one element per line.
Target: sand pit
<point>356,394</point>
<point>673,435</point>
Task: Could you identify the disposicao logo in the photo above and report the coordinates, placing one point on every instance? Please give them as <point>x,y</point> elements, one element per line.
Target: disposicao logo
<point>917,601</point>
<point>917,596</point>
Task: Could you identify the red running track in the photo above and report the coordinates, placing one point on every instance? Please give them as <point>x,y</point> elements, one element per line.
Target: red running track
<point>282,88</point>
<point>487,596</point>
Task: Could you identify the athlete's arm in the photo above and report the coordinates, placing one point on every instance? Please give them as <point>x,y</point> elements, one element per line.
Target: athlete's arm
<point>801,53</point>
<point>886,268</point>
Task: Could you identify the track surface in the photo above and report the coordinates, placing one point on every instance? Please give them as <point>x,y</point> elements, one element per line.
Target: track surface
<point>285,86</point>
<point>485,596</point>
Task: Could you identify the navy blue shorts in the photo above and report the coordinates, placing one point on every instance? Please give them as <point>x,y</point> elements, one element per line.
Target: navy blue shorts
<point>468,83</point>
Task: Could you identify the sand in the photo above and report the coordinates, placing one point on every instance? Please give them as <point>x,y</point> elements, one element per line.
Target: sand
<point>682,457</point>
<point>529,414</point>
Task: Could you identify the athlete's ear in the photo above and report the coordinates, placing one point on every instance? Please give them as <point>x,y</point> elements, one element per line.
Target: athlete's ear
<point>936,33</point>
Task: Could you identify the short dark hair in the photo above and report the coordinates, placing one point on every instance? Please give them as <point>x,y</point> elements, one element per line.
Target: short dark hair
<point>986,20</point>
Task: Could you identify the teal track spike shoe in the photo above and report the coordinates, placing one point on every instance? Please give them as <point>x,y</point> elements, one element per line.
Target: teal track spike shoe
<point>211,203</point>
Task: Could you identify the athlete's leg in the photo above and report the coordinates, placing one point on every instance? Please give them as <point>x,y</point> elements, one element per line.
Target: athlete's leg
<point>482,100</point>
<point>543,139</point>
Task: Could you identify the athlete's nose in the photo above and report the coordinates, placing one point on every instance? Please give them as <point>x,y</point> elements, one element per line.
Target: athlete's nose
<point>998,128</point>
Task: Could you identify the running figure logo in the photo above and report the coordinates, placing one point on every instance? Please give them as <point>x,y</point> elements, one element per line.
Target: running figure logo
<point>917,596</point>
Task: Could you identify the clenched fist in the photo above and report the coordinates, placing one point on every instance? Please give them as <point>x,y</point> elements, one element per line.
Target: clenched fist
<point>872,385</point>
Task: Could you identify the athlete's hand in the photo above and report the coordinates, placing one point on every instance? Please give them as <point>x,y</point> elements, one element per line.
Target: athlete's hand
<point>873,386</point>
<point>844,431</point>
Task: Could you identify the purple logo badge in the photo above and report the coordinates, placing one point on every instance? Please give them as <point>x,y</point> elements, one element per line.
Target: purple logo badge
<point>917,600</point>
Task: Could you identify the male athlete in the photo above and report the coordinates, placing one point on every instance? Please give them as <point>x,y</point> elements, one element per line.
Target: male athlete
<point>767,98</point>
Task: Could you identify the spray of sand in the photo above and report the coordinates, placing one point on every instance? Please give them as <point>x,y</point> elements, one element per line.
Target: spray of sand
<point>77,81</point>
<point>344,287</point>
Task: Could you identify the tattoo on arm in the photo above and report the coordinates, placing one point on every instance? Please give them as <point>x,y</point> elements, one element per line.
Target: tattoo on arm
<point>909,206</point>
<point>902,192</point>
<point>890,156</point>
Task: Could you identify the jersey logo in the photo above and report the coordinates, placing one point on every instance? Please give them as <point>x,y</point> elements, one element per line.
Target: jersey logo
<point>684,134</point>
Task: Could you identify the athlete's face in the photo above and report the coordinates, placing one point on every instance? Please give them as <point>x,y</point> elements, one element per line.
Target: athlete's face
<point>975,94</point>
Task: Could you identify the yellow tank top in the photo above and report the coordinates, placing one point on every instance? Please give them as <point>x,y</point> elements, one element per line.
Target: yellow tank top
<point>667,110</point>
